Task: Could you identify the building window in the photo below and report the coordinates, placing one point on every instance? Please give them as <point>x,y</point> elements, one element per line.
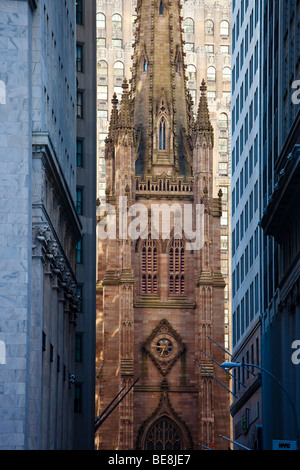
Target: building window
<point>211,96</point>
<point>164,435</point>
<point>149,267</point>
<point>224,28</point>
<point>101,42</point>
<point>100,21</point>
<point>189,47</point>
<point>79,11</point>
<point>103,114</point>
<point>79,252</point>
<point>191,72</point>
<point>79,200</point>
<point>102,92</point>
<point>117,22</point>
<point>161,8</point>
<point>224,242</point>
<point>78,347</point>
<point>224,266</point>
<point>102,69</point>
<point>118,69</point>
<point>224,218</point>
<point>162,134</point>
<point>188,25</point>
<point>226,292</point>
<point>226,74</point>
<point>79,58</point>
<point>223,121</point>
<point>223,145</point>
<point>209,27</point>
<point>223,168</point>
<point>176,268</point>
<point>79,152</point>
<point>211,74</point>
<point>79,104</point>
<point>117,43</point>
<point>224,190</point>
<point>210,48</point>
<point>224,49</point>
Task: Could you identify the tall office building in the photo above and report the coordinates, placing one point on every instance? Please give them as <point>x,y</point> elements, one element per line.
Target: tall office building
<point>86,162</point>
<point>207,36</point>
<point>39,224</point>
<point>246,260</point>
<point>279,184</point>
<point>47,296</point>
<point>162,300</point>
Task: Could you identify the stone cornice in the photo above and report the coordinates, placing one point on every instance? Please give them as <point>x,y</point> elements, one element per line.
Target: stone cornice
<point>284,200</point>
<point>169,304</point>
<point>47,248</point>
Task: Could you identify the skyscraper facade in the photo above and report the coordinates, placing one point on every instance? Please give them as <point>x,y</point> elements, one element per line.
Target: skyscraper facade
<point>245,215</point>
<point>39,225</point>
<point>86,163</point>
<point>160,300</point>
<point>280,218</point>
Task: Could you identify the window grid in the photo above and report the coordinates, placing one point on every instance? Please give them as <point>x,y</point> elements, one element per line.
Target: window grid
<point>177,268</point>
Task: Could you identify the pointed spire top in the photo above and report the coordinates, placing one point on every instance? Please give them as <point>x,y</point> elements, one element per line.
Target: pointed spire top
<point>203,124</point>
<point>125,85</point>
<point>203,87</point>
<point>125,114</point>
<point>126,129</point>
<point>114,101</point>
<point>113,123</point>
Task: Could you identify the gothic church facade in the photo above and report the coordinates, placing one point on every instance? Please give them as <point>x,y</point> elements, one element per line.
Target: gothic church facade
<point>160,299</point>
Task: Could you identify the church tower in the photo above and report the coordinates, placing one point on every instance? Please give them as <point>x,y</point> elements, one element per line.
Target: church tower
<point>160,288</point>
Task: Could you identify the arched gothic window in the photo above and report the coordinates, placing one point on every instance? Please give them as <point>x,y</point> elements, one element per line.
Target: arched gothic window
<point>161,8</point>
<point>162,134</point>
<point>149,267</point>
<point>164,434</point>
<point>176,268</point>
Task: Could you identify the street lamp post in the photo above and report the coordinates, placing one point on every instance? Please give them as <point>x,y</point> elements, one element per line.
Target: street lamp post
<point>230,365</point>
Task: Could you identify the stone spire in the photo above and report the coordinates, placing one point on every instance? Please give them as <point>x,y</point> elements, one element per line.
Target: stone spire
<point>125,119</point>
<point>113,124</point>
<point>161,108</point>
<point>203,127</point>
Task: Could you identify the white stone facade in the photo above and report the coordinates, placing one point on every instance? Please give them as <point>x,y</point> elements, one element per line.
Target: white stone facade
<point>39,226</point>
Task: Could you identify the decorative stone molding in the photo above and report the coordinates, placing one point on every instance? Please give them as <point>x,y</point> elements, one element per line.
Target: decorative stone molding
<point>164,409</point>
<point>164,332</point>
<point>46,247</point>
